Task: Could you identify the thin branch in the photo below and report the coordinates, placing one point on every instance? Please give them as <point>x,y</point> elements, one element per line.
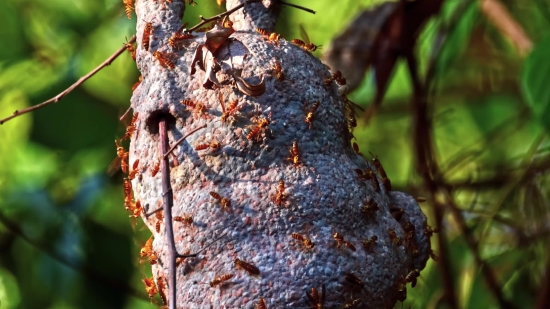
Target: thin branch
<point>297,6</point>
<point>238,7</point>
<point>167,208</point>
<point>181,140</point>
<point>72,87</point>
<point>216,17</point>
<point>84,269</point>
<point>201,250</point>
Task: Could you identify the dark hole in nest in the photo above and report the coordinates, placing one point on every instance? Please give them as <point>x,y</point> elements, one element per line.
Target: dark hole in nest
<point>154,119</point>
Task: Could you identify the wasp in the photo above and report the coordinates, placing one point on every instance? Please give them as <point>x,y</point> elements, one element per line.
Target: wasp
<point>127,185</point>
<point>280,197</point>
<point>369,243</point>
<point>136,84</point>
<point>160,218</point>
<point>219,2</point>
<point>354,280</point>
<point>429,231</point>
<point>123,156</point>
<point>356,149</point>
<point>226,203</point>
<point>155,169</point>
<point>278,71</point>
<point>135,209</point>
<point>385,180</point>
<point>162,289</point>
<point>150,287</point>
<point>401,291</point>
<point>396,212</point>
<point>250,269</point>
<point>163,59</point>
<point>294,154</point>
<point>229,113</point>
<point>411,277</point>
<point>433,255</point>
<point>338,78</point>
<point>306,242</point>
<point>146,37</point>
<point>180,259</point>
<point>309,114</point>
<point>214,145</point>
<point>369,208</point>
<point>396,240</point>
<point>220,279</point>
<point>340,240</point>
<point>175,40</point>
<point>261,304</point>
<point>197,107</point>
<point>134,171</point>
<point>261,126</point>
<point>420,199</point>
<point>271,37</point>
<point>316,301</point>
<point>185,219</point>
<point>228,24</point>
<point>131,49</point>
<point>147,251</point>
<point>353,304</point>
<point>305,44</point>
<point>129,6</point>
<point>132,128</point>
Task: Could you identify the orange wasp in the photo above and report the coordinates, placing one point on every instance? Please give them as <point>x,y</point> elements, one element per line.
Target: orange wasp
<point>340,240</point>
<point>147,251</point>
<point>175,40</point>
<point>129,6</point>
<point>305,44</point>
<point>280,197</point>
<point>385,180</point>
<point>197,107</point>
<point>214,145</point>
<point>185,219</point>
<point>131,49</point>
<point>220,279</point>
<point>271,37</point>
<point>306,242</point>
<point>261,304</point>
<point>369,243</point>
<point>163,59</point>
<point>315,301</point>
<point>146,36</point>
<point>155,169</point>
<point>229,113</point>
<point>136,84</point>
<point>278,71</point>
<point>309,114</point>
<point>396,240</point>
<point>249,268</point>
<point>226,203</point>
<point>261,126</point>
<point>295,154</point>
<point>150,287</point>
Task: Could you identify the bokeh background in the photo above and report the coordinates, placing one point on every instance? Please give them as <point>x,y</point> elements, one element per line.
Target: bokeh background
<point>67,242</point>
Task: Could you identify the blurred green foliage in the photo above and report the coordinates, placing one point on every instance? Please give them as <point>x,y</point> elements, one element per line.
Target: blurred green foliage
<point>66,241</point>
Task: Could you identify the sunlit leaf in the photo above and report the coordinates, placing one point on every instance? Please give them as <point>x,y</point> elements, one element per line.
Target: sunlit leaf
<point>534,82</point>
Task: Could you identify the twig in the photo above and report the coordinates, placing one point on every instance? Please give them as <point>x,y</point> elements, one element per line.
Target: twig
<point>216,17</point>
<point>201,250</point>
<point>181,140</point>
<point>167,208</point>
<point>297,6</point>
<point>72,87</point>
<point>86,269</point>
<point>240,6</point>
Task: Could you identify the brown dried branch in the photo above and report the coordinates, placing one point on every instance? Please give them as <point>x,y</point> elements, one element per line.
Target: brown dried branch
<point>217,17</point>
<point>73,86</point>
<point>181,140</point>
<point>499,16</point>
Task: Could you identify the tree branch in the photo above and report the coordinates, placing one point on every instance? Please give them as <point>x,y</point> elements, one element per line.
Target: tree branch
<point>72,87</point>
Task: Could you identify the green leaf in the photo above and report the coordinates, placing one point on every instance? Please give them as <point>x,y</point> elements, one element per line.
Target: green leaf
<point>9,291</point>
<point>534,82</point>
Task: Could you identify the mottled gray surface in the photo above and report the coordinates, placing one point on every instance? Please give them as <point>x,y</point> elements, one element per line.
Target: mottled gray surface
<point>324,193</point>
